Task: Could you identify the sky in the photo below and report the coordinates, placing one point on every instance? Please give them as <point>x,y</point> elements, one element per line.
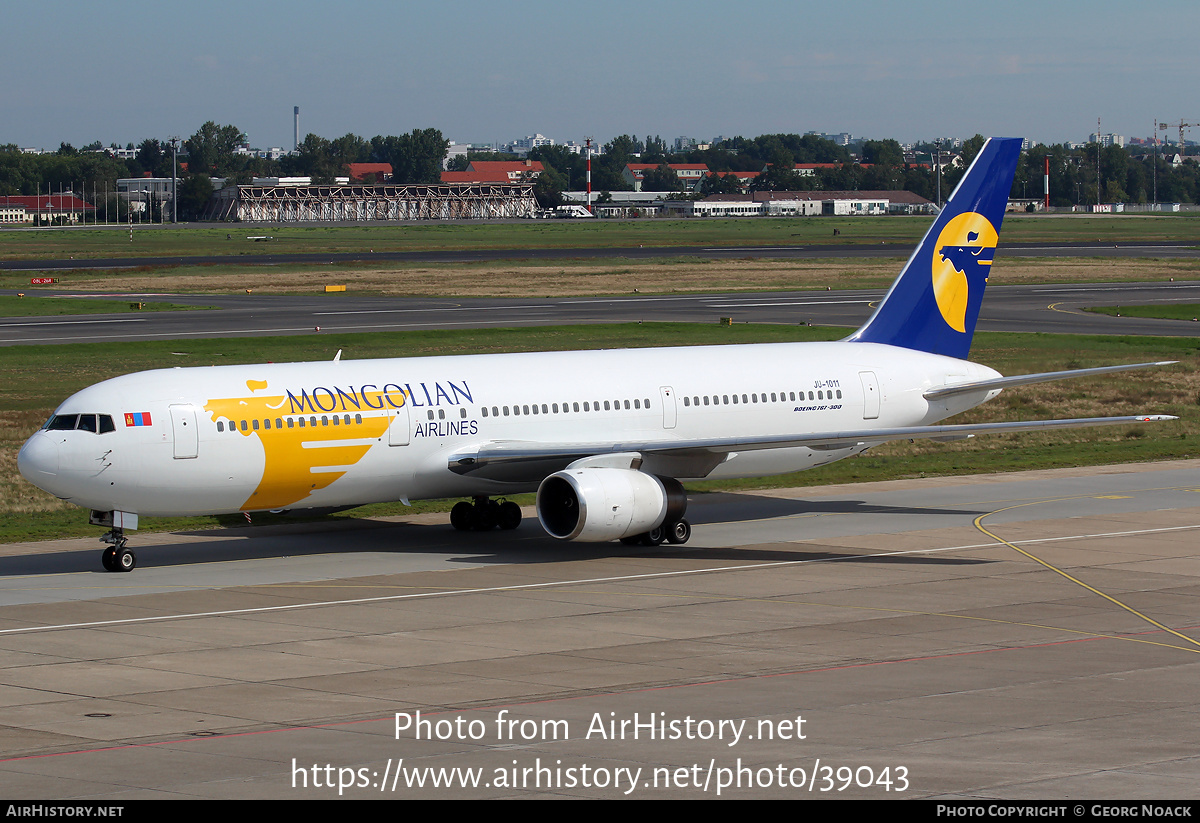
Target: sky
<point>487,72</point>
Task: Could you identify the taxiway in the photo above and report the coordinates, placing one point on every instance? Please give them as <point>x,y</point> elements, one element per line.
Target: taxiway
<point>1044,308</point>
<point>1010,636</point>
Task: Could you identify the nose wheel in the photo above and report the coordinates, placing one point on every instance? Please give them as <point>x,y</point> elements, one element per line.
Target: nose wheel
<point>118,557</point>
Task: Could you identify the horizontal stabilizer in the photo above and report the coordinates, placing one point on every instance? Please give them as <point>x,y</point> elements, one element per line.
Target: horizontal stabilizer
<point>1027,379</point>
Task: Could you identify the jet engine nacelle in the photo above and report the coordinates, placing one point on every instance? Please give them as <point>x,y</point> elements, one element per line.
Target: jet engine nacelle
<point>594,505</point>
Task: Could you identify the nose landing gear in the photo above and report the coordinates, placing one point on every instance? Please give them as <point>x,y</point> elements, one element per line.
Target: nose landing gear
<point>118,557</point>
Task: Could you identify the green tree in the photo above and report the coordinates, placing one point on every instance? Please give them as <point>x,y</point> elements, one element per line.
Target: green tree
<point>548,189</point>
<point>661,178</point>
<point>210,150</point>
<point>194,193</point>
<point>315,159</point>
<point>722,183</point>
<point>572,166</point>
<point>883,153</point>
<point>417,157</point>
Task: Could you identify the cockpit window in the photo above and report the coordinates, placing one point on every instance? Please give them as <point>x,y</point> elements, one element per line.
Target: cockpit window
<point>95,423</point>
<point>62,422</point>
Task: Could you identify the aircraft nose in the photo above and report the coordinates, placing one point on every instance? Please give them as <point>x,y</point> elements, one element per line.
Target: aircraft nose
<point>38,459</point>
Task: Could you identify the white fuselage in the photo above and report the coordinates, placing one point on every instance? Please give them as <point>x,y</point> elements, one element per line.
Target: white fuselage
<point>275,436</point>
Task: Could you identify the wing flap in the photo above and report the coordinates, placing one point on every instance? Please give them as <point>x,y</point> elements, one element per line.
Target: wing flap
<point>524,461</point>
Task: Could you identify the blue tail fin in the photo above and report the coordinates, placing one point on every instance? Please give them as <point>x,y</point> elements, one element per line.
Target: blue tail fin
<point>934,303</point>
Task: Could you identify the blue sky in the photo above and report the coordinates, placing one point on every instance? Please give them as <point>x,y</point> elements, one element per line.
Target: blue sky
<point>494,71</point>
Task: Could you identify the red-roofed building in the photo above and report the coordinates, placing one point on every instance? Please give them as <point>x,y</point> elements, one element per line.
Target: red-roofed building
<point>473,177</point>
<point>44,208</point>
<point>517,170</point>
<point>689,173</point>
<point>379,172</point>
<point>809,169</point>
<point>496,171</point>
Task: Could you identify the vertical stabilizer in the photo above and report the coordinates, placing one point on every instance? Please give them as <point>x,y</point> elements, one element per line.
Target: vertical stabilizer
<point>934,303</point>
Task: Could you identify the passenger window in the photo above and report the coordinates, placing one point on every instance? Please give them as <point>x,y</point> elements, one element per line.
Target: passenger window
<point>255,422</point>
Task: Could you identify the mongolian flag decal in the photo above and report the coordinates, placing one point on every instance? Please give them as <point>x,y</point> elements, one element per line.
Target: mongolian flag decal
<point>137,418</point>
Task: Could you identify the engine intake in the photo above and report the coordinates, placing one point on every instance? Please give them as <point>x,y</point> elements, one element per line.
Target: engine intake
<point>594,505</point>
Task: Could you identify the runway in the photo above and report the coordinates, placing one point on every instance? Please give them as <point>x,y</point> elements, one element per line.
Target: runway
<point>998,636</point>
<point>1044,308</point>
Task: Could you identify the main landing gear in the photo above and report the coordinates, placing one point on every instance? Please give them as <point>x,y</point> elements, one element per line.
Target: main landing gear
<point>484,515</point>
<point>677,533</point>
<point>118,557</point>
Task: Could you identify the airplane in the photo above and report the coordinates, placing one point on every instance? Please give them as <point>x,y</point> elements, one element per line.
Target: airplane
<point>604,437</point>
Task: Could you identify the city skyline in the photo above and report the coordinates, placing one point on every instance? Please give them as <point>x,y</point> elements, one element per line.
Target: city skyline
<point>492,74</point>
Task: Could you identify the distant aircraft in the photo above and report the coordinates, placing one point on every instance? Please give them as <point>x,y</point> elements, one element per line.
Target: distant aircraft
<point>605,437</point>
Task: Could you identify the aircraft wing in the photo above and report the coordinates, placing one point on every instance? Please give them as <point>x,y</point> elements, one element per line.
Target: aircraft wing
<point>523,461</point>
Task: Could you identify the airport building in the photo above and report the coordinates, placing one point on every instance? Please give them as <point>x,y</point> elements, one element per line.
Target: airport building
<point>756,204</point>
<point>64,207</point>
<point>368,203</point>
<point>139,192</point>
